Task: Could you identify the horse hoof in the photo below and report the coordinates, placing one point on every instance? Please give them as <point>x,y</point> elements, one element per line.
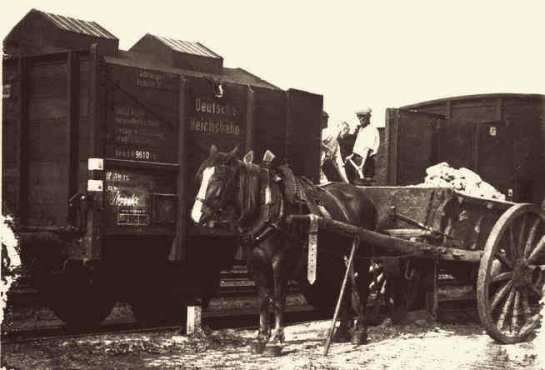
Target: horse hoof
<point>341,336</point>
<point>258,347</point>
<point>274,350</point>
<point>359,337</point>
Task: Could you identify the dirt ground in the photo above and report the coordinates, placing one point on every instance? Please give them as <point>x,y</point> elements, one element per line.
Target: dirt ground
<point>422,344</point>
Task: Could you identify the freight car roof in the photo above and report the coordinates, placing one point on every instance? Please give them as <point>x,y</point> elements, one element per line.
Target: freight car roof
<point>195,48</point>
<point>475,97</point>
<point>69,24</point>
<point>230,75</point>
<point>79,26</point>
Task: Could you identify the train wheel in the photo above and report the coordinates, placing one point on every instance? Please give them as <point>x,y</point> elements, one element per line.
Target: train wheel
<point>511,277</point>
<point>157,300</point>
<point>158,308</point>
<point>77,298</point>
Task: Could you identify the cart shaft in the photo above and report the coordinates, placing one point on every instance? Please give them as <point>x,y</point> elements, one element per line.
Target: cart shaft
<point>392,244</point>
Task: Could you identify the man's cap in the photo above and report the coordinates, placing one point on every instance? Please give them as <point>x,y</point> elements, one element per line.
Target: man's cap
<point>363,112</point>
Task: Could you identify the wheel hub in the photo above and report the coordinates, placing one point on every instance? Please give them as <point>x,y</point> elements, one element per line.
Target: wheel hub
<point>522,274</point>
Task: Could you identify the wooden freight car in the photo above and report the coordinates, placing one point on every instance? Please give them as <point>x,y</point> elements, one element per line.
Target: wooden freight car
<point>100,147</point>
<point>499,136</point>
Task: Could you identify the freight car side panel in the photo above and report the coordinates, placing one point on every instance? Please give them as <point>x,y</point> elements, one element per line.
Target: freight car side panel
<point>10,133</point>
<point>270,116</point>
<point>48,139</point>
<point>456,143</point>
<point>303,133</point>
<point>411,145</point>
<point>44,129</point>
<point>498,135</point>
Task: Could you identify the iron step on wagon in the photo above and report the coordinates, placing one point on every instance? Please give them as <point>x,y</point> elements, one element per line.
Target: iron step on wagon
<point>498,246</point>
<point>100,147</point>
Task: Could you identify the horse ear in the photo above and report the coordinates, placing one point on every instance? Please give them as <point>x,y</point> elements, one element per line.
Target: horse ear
<point>268,156</point>
<point>234,152</point>
<point>249,157</point>
<point>213,150</point>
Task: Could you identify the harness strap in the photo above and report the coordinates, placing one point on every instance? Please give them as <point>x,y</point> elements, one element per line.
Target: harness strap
<point>339,204</point>
<point>271,210</point>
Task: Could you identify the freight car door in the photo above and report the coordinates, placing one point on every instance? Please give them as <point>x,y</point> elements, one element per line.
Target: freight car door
<point>47,97</point>
<point>410,145</point>
<point>493,155</point>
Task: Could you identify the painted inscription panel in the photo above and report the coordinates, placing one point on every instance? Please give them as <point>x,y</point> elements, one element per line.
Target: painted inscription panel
<point>138,198</point>
<point>142,115</point>
<point>212,119</point>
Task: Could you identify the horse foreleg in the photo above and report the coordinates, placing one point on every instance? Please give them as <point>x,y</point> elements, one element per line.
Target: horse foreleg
<point>263,301</point>
<point>360,294</point>
<point>279,303</point>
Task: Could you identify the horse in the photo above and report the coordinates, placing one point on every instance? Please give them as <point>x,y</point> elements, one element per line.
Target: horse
<point>255,200</point>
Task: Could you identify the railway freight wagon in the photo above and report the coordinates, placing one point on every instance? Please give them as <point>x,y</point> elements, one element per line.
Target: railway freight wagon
<point>100,147</point>
<point>499,136</point>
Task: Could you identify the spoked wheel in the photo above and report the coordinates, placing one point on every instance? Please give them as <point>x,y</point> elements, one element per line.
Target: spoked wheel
<point>377,291</point>
<point>511,276</point>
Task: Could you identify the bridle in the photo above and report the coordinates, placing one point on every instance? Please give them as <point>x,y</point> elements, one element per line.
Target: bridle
<point>216,207</point>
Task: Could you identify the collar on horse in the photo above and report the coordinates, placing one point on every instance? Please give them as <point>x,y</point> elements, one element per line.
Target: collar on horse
<point>260,201</point>
<point>265,195</point>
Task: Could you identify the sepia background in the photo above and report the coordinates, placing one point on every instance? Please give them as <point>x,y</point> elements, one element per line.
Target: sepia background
<point>355,53</point>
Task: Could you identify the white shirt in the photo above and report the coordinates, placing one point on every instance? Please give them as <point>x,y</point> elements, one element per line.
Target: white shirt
<point>368,139</point>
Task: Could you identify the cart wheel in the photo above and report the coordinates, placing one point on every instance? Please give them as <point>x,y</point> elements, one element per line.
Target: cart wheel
<point>511,276</point>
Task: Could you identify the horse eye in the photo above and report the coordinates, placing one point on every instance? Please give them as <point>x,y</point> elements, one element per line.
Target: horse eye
<point>218,192</point>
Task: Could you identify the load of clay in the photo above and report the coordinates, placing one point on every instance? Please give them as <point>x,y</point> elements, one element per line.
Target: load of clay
<point>462,180</point>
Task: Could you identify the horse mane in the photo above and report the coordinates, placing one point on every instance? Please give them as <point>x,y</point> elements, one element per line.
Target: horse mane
<point>250,179</point>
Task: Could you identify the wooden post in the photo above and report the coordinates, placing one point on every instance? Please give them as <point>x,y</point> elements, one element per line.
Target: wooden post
<point>194,320</point>
<point>391,132</point>
<point>73,127</point>
<point>289,131</point>
<point>95,184</point>
<point>22,147</point>
<point>177,250</point>
<point>250,119</point>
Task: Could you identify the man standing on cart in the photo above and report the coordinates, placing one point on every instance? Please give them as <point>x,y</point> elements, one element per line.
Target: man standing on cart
<point>365,148</point>
<point>331,162</point>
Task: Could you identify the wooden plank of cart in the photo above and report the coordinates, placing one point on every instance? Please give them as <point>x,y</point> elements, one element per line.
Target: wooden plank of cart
<point>500,244</point>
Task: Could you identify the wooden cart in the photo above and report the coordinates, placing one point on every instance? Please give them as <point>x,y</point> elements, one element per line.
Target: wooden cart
<point>499,244</point>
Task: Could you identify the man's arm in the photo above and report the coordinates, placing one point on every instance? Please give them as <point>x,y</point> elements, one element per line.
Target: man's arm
<point>339,165</point>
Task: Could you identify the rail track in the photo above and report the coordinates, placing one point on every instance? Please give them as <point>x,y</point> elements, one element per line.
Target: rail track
<point>234,308</point>
<point>214,320</point>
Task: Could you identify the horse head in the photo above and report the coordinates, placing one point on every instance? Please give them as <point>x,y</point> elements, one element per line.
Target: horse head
<point>215,181</point>
<point>228,189</point>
